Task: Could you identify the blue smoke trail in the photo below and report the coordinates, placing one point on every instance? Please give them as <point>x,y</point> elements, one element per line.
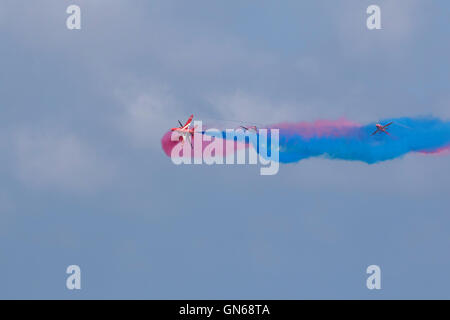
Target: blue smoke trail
<point>357,143</point>
<point>331,140</point>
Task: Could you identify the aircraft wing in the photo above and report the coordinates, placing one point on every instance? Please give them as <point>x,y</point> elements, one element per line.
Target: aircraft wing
<point>249,128</point>
<point>388,124</point>
<point>375,132</point>
<point>189,120</point>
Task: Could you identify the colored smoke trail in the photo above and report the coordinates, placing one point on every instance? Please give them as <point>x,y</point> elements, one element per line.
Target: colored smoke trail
<point>443,150</point>
<point>354,142</point>
<point>350,141</point>
<point>168,145</point>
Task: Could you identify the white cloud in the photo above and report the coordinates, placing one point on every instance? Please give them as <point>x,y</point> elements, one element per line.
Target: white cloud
<point>145,117</point>
<point>58,161</point>
<point>243,106</point>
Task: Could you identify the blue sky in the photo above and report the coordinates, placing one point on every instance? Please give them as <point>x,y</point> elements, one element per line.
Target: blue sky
<point>84,180</point>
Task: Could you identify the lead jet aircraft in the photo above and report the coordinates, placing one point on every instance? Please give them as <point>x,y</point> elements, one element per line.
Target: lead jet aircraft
<point>185,131</point>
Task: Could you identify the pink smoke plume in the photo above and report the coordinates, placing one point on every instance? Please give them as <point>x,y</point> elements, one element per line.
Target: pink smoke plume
<point>439,151</point>
<point>168,145</point>
<point>319,128</point>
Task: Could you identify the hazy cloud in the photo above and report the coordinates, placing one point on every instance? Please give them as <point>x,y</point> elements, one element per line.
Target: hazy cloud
<point>144,117</point>
<point>55,160</point>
